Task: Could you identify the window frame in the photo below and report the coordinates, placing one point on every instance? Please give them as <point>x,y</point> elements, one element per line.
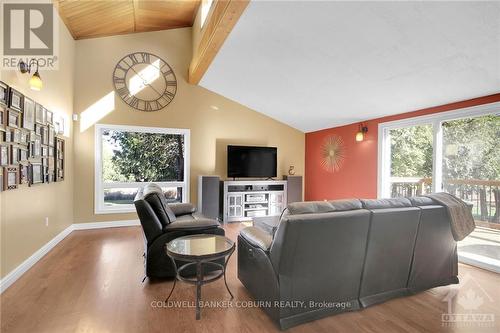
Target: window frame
<point>100,186</point>
<point>436,120</point>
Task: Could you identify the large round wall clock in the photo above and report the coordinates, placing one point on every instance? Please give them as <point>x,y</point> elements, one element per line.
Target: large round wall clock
<point>144,81</point>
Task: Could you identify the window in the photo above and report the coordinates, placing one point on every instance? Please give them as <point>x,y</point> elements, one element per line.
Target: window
<point>456,152</point>
<point>128,157</point>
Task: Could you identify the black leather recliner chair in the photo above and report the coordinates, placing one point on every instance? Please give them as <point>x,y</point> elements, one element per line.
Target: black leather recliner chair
<point>162,222</point>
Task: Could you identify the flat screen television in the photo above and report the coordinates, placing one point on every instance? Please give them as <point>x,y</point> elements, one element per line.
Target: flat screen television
<point>251,162</point>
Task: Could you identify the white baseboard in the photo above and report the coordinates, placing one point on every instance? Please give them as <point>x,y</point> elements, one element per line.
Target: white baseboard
<point>17,272</point>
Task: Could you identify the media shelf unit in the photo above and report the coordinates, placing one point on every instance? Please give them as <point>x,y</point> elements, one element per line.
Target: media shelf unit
<point>245,199</point>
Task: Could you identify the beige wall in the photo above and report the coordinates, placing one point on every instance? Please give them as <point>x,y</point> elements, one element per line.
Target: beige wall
<point>211,130</point>
<point>23,211</point>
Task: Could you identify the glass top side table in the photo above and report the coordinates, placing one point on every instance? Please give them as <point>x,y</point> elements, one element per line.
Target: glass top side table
<point>200,251</point>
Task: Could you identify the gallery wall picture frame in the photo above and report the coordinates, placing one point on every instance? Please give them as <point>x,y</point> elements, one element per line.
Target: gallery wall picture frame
<point>4,93</point>
<point>10,177</point>
<point>39,114</point>
<point>1,179</point>
<point>25,137</point>
<point>51,133</point>
<point>4,155</point>
<point>59,124</point>
<point>29,114</point>
<point>49,117</point>
<point>45,151</point>
<point>39,129</point>
<point>15,100</point>
<point>36,147</point>
<point>13,118</point>
<point>24,173</point>
<point>3,117</point>
<point>14,154</point>
<point>35,173</point>
<point>15,135</point>
<point>48,170</point>
<point>23,155</point>
<point>59,159</point>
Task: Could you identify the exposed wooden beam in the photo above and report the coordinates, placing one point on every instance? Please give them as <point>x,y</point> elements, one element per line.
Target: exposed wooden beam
<point>219,23</point>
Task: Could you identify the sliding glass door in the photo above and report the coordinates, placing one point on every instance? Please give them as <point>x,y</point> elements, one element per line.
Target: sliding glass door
<point>456,152</point>
<point>411,160</point>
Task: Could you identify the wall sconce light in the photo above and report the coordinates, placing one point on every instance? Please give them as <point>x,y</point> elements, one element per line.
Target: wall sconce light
<point>360,135</point>
<point>35,81</point>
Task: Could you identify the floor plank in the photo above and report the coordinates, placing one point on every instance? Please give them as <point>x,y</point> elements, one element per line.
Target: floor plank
<point>91,282</point>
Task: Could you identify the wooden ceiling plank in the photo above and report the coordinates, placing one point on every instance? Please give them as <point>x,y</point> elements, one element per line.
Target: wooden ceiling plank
<point>88,19</point>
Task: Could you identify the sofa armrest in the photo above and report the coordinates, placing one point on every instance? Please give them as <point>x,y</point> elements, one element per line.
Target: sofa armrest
<point>257,237</point>
<point>192,224</point>
<point>182,208</point>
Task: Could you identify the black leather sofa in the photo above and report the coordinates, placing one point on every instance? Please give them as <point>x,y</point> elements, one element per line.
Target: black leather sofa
<point>345,255</point>
<point>161,223</point>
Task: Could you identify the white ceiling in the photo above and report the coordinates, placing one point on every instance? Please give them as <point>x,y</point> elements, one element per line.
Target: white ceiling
<point>315,65</point>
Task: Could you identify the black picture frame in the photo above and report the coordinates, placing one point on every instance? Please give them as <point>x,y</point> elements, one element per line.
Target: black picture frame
<point>13,118</point>
<point>24,173</point>
<point>14,154</point>
<point>39,114</point>
<point>52,133</point>
<point>16,100</point>
<point>4,155</point>
<point>36,147</point>
<point>49,117</point>
<point>35,173</point>
<point>3,117</point>
<point>29,114</point>
<point>4,93</point>
<point>15,135</point>
<point>23,155</point>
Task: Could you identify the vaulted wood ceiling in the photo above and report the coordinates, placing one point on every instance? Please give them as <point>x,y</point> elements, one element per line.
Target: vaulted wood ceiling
<point>87,19</point>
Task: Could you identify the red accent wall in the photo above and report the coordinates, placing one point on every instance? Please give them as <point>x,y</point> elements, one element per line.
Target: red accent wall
<point>358,176</point>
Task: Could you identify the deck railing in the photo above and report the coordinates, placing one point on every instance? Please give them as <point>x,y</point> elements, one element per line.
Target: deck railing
<point>483,194</point>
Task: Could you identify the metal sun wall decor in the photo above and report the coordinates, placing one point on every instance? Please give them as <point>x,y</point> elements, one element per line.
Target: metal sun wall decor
<point>332,153</point>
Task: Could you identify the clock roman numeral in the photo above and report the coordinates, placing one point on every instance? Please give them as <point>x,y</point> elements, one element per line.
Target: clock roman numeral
<point>120,67</point>
<point>148,106</point>
<point>146,57</point>
<point>171,83</point>
<point>123,92</point>
<point>169,95</point>
<point>167,73</point>
<point>134,58</point>
<point>119,80</point>
<point>134,102</point>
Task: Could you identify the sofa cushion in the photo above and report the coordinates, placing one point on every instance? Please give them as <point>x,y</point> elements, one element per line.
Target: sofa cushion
<point>346,204</point>
<point>186,223</point>
<point>182,208</point>
<point>311,207</point>
<point>257,237</point>
<point>385,203</point>
<point>422,201</point>
<point>153,194</point>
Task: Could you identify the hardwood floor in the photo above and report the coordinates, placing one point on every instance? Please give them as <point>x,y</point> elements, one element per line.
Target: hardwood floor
<point>91,282</point>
